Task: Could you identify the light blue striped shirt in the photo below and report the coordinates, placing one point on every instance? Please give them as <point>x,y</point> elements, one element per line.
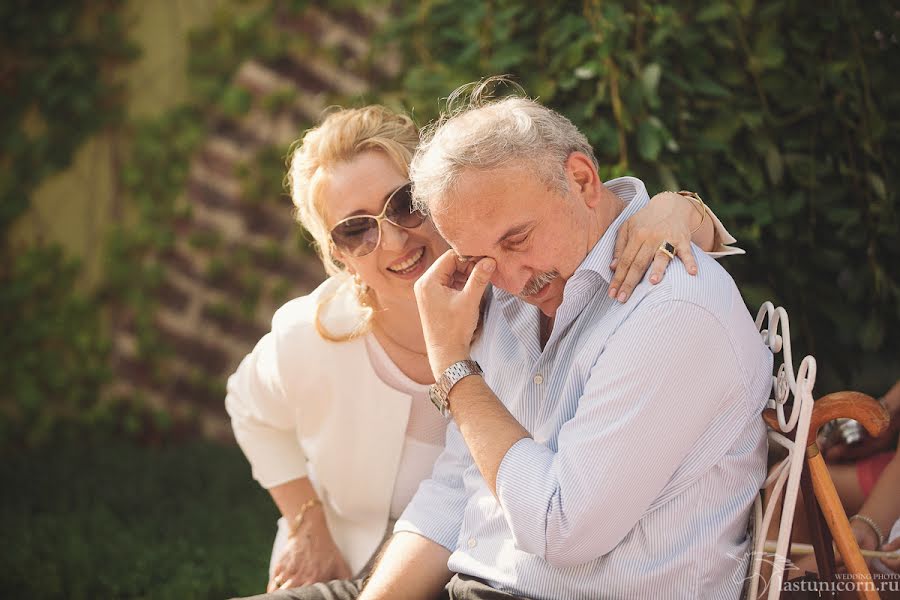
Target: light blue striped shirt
<point>647,445</point>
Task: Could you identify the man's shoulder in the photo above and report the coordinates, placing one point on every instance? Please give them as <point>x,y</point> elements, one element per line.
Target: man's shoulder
<point>712,288</point>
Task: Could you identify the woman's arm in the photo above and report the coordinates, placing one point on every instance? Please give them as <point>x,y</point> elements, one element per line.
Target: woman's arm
<point>310,554</point>
<point>881,507</point>
<point>669,217</point>
<point>264,422</point>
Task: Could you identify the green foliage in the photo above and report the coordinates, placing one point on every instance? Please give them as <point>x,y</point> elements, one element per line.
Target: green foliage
<point>780,116</point>
<point>262,178</point>
<point>153,177</point>
<point>57,88</point>
<point>182,521</point>
<point>217,51</point>
<point>53,347</point>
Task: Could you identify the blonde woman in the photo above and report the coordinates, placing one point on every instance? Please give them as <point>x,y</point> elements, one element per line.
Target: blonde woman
<point>331,408</point>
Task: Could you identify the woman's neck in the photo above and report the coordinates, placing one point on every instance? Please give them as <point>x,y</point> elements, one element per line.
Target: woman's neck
<point>399,321</point>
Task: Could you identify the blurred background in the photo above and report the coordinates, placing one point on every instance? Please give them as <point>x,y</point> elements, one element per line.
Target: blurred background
<point>147,238</point>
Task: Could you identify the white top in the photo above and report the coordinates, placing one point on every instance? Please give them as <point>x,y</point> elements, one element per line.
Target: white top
<point>424,431</point>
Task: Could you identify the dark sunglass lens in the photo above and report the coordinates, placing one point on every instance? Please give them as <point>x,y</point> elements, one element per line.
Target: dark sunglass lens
<point>357,237</point>
<point>400,209</point>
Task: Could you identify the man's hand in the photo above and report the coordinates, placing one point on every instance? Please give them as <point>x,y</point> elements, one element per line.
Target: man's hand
<point>449,296</point>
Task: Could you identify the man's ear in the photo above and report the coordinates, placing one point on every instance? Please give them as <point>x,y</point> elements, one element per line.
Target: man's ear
<point>583,174</point>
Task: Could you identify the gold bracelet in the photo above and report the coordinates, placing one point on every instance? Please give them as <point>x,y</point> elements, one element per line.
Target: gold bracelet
<point>702,211</point>
<point>298,520</point>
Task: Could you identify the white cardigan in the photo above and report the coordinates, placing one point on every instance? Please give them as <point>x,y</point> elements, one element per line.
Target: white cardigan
<point>303,406</point>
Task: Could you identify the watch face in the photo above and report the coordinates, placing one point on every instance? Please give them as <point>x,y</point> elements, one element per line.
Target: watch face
<point>435,396</point>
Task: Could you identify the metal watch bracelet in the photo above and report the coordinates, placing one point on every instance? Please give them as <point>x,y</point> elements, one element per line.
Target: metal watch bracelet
<point>439,391</point>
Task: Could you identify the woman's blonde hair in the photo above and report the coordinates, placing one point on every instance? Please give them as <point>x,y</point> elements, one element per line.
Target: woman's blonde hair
<point>342,135</point>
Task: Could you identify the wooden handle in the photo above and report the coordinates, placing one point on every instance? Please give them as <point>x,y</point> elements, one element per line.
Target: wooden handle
<point>836,518</point>
<point>849,405</point>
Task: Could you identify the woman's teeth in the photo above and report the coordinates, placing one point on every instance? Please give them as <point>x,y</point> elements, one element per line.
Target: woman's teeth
<point>408,264</point>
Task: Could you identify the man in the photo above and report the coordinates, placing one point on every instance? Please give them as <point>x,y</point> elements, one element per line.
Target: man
<point>609,450</point>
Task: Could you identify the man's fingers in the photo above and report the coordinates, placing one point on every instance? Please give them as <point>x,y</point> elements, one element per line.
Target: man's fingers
<point>479,277</point>
<point>635,272</point>
<point>686,254</point>
<point>443,270</point>
<point>624,263</point>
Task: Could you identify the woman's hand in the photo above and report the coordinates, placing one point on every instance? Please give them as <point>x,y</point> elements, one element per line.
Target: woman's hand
<point>669,217</point>
<point>866,538</point>
<point>310,555</point>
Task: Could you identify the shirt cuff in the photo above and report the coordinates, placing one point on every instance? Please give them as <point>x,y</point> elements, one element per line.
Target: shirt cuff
<point>725,238</point>
<point>435,512</point>
<point>526,485</point>
<point>433,527</point>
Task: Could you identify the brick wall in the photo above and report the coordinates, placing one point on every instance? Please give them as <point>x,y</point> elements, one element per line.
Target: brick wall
<point>196,316</point>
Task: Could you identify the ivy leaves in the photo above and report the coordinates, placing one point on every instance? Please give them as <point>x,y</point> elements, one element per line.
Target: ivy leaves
<point>779,116</point>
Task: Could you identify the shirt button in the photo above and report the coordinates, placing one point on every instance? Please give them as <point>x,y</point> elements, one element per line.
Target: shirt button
<point>538,379</point>
<point>472,542</point>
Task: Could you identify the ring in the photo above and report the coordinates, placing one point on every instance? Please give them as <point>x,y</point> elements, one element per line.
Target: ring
<point>278,580</point>
<point>667,249</point>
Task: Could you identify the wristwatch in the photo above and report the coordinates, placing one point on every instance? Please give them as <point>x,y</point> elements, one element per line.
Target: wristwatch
<point>439,391</point>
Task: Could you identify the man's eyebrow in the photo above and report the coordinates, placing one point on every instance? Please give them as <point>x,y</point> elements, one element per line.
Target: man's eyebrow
<point>514,231</point>
<point>511,232</point>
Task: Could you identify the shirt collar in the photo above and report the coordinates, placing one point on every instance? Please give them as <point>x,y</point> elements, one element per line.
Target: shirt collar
<point>633,192</point>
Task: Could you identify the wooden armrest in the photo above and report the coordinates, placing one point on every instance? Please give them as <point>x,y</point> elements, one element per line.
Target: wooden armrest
<point>841,405</point>
<point>849,405</point>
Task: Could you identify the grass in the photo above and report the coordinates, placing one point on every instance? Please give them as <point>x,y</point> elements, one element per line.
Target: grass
<point>122,521</point>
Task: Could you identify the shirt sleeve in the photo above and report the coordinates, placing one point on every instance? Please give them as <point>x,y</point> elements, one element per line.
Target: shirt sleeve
<point>649,398</point>
<point>262,416</point>
<point>436,510</point>
<point>725,239</point>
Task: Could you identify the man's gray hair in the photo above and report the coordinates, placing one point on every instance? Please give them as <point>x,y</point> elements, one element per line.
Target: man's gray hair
<point>480,132</point>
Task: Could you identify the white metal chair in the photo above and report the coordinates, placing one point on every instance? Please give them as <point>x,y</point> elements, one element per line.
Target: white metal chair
<point>796,434</point>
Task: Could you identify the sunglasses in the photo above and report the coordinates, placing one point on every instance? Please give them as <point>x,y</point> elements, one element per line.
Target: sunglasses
<point>360,235</point>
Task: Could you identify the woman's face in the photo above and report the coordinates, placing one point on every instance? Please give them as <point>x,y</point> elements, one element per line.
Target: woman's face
<point>361,186</point>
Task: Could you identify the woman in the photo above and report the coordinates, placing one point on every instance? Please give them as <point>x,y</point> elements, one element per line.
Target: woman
<point>330,407</point>
<point>869,488</point>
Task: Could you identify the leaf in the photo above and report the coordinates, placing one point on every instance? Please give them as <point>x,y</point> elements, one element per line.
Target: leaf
<point>774,164</point>
<point>709,87</point>
<point>649,142</point>
<point>714,12</point>
<point>650,78</point>
<point>877,184</point>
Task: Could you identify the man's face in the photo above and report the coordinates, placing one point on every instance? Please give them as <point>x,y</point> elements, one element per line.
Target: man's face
<point>537,236</point>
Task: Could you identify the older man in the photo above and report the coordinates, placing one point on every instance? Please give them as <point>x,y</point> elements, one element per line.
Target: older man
<point>607,450</point>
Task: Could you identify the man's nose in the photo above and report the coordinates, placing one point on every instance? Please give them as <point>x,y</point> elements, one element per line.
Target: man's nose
<point>508,278</point>
<point>393,237</point>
